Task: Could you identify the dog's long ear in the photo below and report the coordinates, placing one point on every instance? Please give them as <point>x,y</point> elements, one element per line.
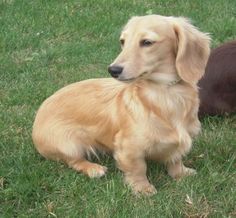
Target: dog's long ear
<point>192,50</point>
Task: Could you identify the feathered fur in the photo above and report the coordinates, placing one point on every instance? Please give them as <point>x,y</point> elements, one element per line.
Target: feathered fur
<point>150,111</point>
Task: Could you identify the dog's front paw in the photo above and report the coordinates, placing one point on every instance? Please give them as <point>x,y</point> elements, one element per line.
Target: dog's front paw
<point>147,189</point>
<point>143,188</point>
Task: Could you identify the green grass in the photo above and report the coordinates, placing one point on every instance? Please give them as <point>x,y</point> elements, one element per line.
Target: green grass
<point>47,44</point>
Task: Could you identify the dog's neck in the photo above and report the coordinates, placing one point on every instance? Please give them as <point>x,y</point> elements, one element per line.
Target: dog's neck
<point>165,79</point>
<point>172,83</point>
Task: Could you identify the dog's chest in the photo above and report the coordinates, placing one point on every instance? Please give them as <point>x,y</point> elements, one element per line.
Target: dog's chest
<point>166,139</point>
<point>158,129</point>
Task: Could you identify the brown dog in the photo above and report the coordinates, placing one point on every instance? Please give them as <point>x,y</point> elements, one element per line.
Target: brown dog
<point>218,86</point>
<point>149,110</point>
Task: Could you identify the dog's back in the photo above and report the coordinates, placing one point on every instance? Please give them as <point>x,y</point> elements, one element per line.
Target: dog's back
<point>218,86</point>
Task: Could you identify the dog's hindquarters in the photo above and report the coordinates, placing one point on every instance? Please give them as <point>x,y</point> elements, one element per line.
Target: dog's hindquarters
<point>67,143</point>
<point>65,129</point>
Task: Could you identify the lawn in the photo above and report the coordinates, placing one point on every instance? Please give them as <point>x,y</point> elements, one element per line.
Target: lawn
<point>47,44</point>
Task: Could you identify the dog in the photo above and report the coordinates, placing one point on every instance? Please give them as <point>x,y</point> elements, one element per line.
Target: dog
<point>218,85</point>
<point>148,110</point>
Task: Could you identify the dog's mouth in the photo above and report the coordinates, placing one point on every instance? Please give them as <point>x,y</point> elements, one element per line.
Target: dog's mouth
<point>128,80</point>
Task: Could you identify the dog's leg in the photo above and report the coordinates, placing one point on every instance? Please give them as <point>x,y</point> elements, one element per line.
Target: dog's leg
<point>77,158</point>
<point>177,170</point>
<point>134,168</point>
<point>92,170</point>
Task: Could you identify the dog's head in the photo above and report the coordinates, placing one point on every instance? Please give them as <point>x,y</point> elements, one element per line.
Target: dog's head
<point>162,49</point>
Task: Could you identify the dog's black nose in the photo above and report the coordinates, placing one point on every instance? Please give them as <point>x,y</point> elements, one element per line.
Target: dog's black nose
<point>115,70</point>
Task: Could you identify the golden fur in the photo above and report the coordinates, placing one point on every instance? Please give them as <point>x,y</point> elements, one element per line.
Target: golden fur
<point>150,113</point>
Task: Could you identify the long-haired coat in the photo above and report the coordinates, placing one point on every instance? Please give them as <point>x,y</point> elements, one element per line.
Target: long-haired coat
<point>149,111</point>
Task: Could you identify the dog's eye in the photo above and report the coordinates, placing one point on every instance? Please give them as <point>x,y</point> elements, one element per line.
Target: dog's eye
<point>122,42</point>
<point>146,43</point>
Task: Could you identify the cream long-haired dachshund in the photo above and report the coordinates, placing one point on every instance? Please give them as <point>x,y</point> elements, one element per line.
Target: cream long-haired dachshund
<point>149,111</point>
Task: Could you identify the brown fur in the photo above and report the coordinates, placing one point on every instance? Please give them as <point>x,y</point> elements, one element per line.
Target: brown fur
<point>218,86</point>
<point>153,114</point>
